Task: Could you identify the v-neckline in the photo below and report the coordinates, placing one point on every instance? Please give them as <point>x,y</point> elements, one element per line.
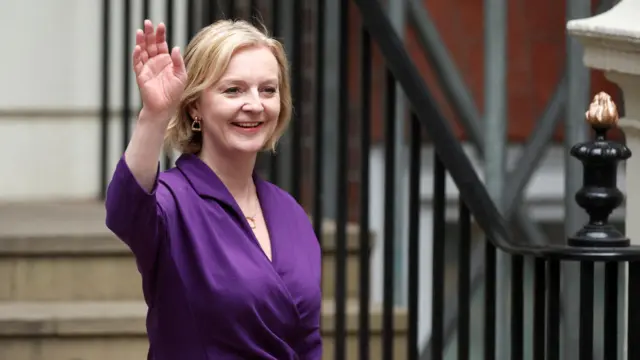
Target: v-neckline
<point>260,194</point>
<point>207,184</point>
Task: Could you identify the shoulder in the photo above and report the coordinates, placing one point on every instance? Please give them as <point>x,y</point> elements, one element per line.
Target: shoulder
<point>296,217</point>
<point>172,188</point>
<point>286,202</point>
<point>172,180</point>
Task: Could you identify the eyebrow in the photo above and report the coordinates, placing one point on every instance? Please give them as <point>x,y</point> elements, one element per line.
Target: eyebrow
<point>237,80</point>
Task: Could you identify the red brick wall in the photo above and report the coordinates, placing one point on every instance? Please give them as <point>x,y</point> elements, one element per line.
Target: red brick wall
<point>536,58</point>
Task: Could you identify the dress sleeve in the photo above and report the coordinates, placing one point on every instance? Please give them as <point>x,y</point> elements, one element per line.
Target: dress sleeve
<point>135,215</point>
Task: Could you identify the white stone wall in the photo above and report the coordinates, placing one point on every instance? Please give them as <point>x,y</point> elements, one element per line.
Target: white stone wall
<point>50,94</point>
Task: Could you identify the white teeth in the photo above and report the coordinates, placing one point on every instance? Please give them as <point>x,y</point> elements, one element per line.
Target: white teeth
<point>247,125</point>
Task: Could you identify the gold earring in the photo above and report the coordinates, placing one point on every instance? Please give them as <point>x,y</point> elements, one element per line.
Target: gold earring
<point>196,125</point>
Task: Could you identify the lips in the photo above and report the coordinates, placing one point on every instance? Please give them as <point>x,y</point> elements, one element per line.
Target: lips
<point>247,125</point>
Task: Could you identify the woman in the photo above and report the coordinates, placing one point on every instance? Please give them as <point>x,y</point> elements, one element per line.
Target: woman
<point>229,262</point>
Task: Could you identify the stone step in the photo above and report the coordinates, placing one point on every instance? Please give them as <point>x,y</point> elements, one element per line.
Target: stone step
<point>107,330</point>
<point>64,252</point>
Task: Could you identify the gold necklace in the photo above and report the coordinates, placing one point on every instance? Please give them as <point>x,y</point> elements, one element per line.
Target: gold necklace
<point>252,219</point>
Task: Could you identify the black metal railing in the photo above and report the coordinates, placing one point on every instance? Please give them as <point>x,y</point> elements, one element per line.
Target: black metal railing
<point>598,241</point>
<point>363,83</point>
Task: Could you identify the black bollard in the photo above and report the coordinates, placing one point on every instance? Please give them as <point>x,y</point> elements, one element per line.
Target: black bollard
<point>599,195</point>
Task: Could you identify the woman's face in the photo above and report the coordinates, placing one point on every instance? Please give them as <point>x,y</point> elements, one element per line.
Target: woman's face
<point>240,112</point>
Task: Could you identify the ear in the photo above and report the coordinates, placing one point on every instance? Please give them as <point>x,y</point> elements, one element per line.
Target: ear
<point>193,111</point>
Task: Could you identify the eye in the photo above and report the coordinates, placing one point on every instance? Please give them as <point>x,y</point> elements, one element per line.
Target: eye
<point>270,90</point>
<point>232,90</point>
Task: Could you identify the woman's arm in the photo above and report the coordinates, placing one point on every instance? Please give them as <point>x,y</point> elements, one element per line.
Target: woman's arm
<point>134,207</point>
<point>161,77</point>
<point>144,148</point>
<point>134,214</point>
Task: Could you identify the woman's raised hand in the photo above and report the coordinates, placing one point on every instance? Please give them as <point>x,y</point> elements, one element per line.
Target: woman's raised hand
<point>161,76</point>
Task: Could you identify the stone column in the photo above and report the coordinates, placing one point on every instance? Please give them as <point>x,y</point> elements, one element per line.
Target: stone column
<point>611,43</point>
<point>630,124</point>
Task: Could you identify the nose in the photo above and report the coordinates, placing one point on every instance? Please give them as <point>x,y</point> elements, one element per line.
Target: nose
<point>253,103</point>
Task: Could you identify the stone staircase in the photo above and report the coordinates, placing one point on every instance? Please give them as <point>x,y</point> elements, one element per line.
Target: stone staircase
<point>69,290</point>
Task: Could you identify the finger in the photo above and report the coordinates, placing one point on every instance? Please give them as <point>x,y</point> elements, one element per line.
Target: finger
<point>144,57</point>
<point>150,38</point>
<point>140,39</point>
<point>161,39</point>
<point>138,64</point>
<point>178,61</point>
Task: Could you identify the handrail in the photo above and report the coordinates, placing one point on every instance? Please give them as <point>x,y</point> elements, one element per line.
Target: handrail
<point>455,159</point>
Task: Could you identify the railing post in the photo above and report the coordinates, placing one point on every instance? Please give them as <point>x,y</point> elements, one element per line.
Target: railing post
<point>599,194</point>
<point>611,44</point>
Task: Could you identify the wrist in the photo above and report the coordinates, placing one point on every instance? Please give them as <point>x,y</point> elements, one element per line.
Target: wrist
<point>153,123</point>
<point>154,117</point>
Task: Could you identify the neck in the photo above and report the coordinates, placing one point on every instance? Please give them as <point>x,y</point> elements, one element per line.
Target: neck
<point>235,172</point>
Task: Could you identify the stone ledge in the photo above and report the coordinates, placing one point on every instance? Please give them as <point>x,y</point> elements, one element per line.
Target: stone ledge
<point>63,245</point>
<point>72,319</point>
<point>77,229</point>
<point>127,318</point>
<point>619,23</point>
<point>611,40</point>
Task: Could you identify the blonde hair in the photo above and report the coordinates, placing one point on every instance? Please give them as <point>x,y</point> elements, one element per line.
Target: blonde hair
<point>206,59</point>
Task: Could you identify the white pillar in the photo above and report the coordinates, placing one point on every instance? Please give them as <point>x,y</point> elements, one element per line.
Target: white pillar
<point>611,43</point>
<point>630,124</point>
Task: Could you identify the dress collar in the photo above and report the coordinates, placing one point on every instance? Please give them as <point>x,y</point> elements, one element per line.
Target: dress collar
<point>206,182</point>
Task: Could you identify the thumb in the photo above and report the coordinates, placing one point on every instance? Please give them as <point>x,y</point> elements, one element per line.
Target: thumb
<point>178,61</point>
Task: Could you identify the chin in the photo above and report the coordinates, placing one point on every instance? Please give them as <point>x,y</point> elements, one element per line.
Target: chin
<point>248,143</point>
<point>248,146</point>
<point>247,149</point>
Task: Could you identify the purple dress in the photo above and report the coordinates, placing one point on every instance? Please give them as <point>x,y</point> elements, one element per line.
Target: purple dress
<point>211,291</point>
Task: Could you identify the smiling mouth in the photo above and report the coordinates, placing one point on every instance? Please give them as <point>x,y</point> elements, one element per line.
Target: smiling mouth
<point>247,125</point>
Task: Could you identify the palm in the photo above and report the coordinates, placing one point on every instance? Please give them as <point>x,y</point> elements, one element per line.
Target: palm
<point>159,86</point>
<point>161,76</point>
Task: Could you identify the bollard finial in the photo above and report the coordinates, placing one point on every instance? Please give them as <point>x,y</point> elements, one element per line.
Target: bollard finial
<point>602,112</point>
